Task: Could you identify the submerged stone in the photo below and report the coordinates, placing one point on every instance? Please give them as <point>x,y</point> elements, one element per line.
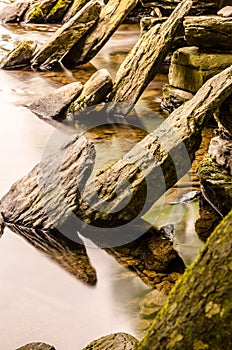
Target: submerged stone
<point>14,12</point>
<point>19,56</point>
<point>53,105</point>
<point>190,67</point>
<point>65,37</point>
<point>116,341</point>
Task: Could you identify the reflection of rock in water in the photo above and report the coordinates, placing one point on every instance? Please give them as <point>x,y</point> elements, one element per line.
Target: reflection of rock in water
<point>152,258</point>
<point>70,255</point>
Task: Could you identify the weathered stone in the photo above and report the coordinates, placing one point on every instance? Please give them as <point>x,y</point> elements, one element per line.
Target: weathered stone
<point>224,115</point>
<point>174,98</point>
<point>147,23</point>
<point>116,341</point>
<point>209,32</point>
<point>199,7</point>
<point>14,12</point>
<point>225,11</point>
<point>217,185</point>
<point>54,105</point>
<point>220,150</point>
<point>38,11</point>
<point>68,35</point>
<point>95,90</point>
<point>36,346</point>
<point>190,68</point>
<point>58,11</point>
<point>75,7</point>
<point>142,63</point>
<point>19,56</point>
<point>112,15</point>
<point>46,197</point>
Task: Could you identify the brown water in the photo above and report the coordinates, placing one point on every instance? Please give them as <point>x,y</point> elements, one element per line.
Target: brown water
<point>38,300</point>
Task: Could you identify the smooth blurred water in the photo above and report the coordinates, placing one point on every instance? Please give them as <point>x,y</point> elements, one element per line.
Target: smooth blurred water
<point>38,300</point>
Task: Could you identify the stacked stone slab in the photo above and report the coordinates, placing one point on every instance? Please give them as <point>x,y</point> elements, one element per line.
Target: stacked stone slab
<point>209,52</point>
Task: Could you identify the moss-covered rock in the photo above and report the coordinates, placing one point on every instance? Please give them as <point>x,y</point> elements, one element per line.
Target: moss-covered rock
<point>19,56</point>
<point>174,98</point>
<point>38,11</point>
<point>58,11</point>
<point>75,7</point>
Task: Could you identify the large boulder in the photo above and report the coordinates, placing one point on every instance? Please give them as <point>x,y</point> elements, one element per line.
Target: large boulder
<point>58,11</point>
<point>190,67</point>
<point>74,8</point>
<point>38,11</point>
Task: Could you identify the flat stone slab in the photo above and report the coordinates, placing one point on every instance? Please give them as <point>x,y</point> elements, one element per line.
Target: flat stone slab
<point>54,105</point>
<point>209,32</point>
<point>190,67</point>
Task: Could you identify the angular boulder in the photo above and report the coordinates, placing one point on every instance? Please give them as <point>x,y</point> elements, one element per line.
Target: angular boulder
<point>68,35</point>
<point>190,67</point>
<point>14,12</point>
<point>54,105</point>
<point>58,11</point>
<point>36,346</point>
<point>74,8</point>
<point>38,11</point>
<point>20,56</point>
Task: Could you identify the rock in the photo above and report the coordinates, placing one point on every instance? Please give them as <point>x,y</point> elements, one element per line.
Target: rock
<point>220,150</point>
<point>75,7</point>
<point>217,185</point>
<point>142,63</point>
<point>58,11</point>
<point>20,56</point>
<point>2,225</point>
<point>199,7</point>
<point>151,303</point>
<point>116,341</point>
<point>174,98</point>
<point>190,68</point>
<point>209,32</point>
<point>112,15</point>
<point>208,220</point>
<point>36,346</point>
<point>147,23</point>
<point>54,105</point>
<point>14,12</point>
<point>95,90</point>
<point>68,35</point>
<point>224,115</point>
<point>38,11</point>
<point>225,11</point>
